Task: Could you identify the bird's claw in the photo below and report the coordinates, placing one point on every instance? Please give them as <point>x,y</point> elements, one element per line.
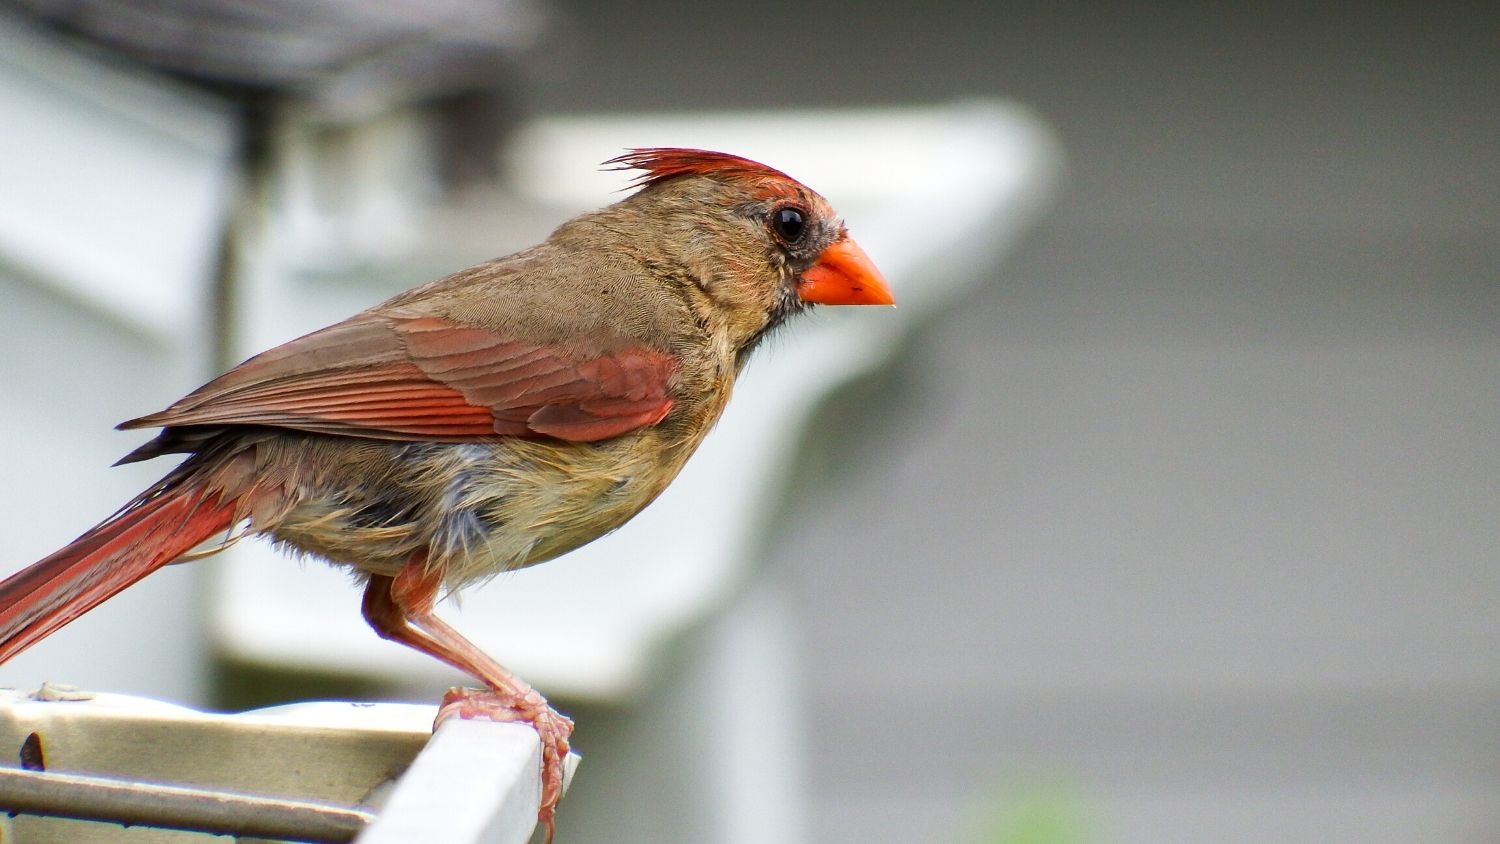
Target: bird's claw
<point>552,727</point>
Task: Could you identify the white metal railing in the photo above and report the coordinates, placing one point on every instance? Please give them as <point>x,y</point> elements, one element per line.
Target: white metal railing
<point>318,772</point>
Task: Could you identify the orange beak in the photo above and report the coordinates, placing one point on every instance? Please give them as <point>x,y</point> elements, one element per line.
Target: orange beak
<point>844,275</point>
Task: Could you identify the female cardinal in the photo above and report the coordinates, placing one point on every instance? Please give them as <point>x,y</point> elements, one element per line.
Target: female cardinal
<point>483,422</point>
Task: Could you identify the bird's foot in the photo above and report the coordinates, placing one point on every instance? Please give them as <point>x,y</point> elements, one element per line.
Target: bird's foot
<point>551,726</point>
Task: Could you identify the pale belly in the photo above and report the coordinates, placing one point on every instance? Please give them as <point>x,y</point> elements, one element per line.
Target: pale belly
<point>473,509</point>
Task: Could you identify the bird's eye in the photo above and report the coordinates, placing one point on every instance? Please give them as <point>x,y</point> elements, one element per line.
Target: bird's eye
<point>789,224</point>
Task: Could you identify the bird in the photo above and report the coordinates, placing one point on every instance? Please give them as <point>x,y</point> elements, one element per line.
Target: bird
<point>483,422</point>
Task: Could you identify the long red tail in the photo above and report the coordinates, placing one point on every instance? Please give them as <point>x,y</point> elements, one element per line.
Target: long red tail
<point>155,529</point>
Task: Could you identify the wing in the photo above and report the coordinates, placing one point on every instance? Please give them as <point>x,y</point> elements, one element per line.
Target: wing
<point>427,378</point>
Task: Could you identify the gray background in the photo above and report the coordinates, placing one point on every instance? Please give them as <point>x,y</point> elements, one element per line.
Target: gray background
<point>1185,527</point>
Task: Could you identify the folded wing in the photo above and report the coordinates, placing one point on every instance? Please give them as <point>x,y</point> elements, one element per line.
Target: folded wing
<point>427,378</point>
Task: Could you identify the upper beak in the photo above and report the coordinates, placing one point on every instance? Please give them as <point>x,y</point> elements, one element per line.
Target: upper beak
<point>844,275</point>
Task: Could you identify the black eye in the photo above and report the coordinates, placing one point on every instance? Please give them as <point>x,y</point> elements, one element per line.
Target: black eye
<point>789,224</point>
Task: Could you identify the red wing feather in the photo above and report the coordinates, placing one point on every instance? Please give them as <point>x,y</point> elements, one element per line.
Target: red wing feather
<point>426,378</point>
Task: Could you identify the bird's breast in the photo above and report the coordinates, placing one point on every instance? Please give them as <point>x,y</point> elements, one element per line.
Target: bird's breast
<point>475,509</point>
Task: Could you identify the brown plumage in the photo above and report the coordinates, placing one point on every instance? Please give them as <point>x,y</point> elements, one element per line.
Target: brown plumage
<point>483,422</point>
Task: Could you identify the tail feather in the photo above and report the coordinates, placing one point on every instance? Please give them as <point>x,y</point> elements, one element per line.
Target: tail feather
<point>152,531</point>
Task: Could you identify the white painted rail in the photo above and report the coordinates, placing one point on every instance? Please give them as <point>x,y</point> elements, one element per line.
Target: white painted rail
<point>476,782</point>
<point>97,768</point>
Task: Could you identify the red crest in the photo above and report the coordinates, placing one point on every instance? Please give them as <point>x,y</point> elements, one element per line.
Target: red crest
<point>662,163</point>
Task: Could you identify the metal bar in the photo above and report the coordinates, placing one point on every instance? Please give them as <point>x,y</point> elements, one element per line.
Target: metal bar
<point>111,800</point>
<point>476,782</point>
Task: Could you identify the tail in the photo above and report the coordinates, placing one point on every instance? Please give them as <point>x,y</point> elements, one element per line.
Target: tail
<point>161,525</point>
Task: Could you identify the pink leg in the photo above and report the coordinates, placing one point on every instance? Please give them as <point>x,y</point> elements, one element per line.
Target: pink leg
<point>400,609</point>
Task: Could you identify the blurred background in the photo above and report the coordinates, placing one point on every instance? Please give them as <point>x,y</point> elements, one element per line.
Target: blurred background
<point>1178,520</point>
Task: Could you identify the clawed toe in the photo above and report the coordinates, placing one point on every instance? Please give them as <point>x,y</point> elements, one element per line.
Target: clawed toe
<point>552,727</point>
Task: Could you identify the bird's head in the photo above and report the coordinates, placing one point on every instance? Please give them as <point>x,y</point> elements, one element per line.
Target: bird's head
<point>760,244</point>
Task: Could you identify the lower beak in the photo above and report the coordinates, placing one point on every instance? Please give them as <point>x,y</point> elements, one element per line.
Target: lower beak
<point>844,275</point>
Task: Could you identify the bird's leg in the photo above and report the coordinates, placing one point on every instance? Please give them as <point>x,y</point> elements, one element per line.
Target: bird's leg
<point>400,609</point>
